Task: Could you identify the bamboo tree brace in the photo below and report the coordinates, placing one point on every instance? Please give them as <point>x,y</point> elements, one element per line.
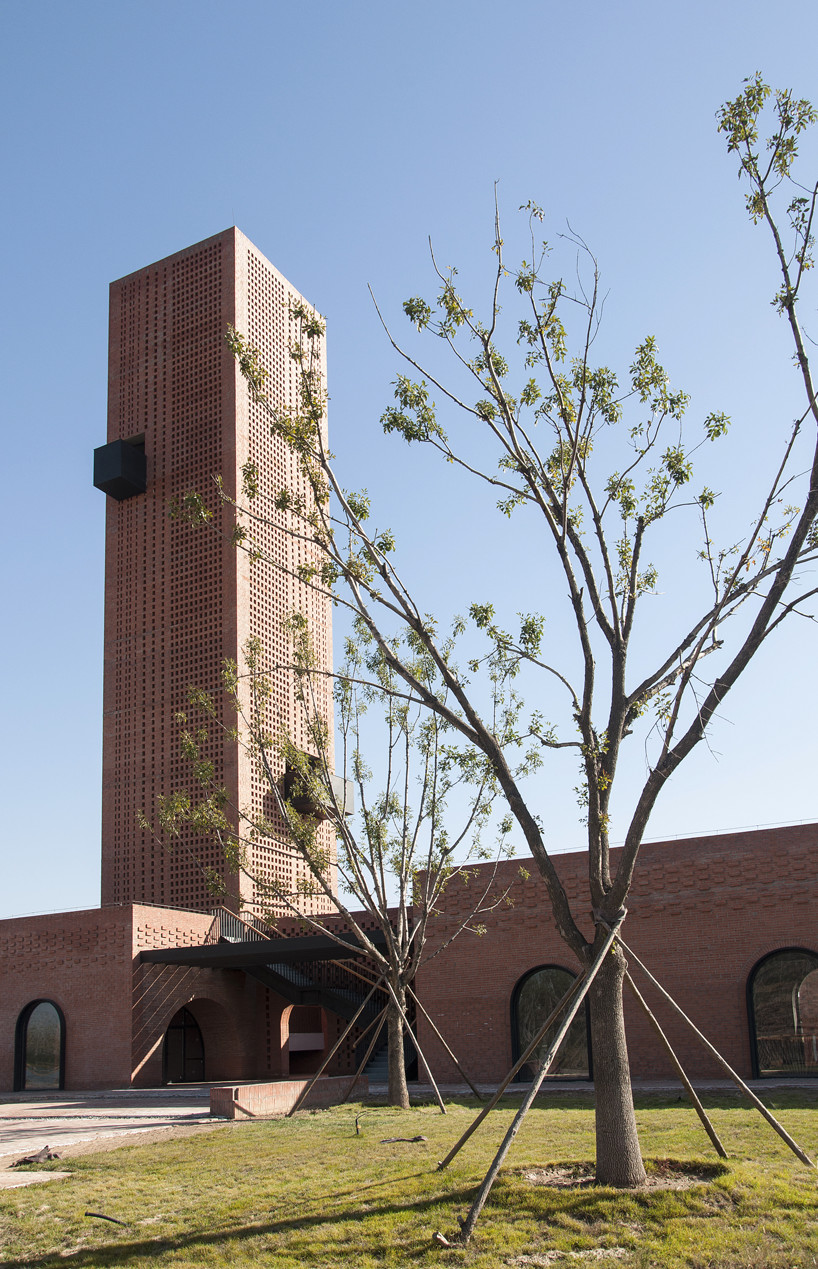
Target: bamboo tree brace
<point>421,1055</point>
<point>734,1076</point>
<point>491,1175</point>
<point>451,1054</point>
<point>335,1047</point>
<point>689,1089</point>
<point>521,1061</point>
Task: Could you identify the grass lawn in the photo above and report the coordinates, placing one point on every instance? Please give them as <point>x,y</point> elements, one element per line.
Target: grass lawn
<point>309,1192</point>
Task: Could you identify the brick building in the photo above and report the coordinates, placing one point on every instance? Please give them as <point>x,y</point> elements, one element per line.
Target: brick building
<point>179,601</point>
<point>727,923</point>
<point>153,986</point>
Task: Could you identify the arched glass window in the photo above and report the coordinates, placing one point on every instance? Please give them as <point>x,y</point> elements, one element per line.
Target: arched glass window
<point>783,1008</point>
<point>183,1050</point>
<point>535,996</point>
<point>40,1047</point>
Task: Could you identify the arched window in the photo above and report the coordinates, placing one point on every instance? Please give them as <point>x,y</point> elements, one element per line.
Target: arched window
<point>535,996</point>
<point>783,1009</point>
<point>39,1056</point>
<point>183,1051</point>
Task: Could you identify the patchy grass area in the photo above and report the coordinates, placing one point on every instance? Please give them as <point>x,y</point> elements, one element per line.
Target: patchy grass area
<point>309,1192</point>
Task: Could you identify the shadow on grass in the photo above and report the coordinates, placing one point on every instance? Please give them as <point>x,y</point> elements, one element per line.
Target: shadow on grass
<point>577,1209</point>
<point>119,1253</point>
<point>774,1098</point>
<point>771,1095</point>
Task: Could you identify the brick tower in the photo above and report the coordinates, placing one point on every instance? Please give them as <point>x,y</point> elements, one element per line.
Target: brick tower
<point>179,600</point>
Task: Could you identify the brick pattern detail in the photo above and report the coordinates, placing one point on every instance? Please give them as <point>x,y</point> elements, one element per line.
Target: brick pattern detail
<point>82,961</point>
<point>258,1101</point>
<point>178,600</point>
<point>267,593</point>
<point>117,1011</point>
<point>702,913</point>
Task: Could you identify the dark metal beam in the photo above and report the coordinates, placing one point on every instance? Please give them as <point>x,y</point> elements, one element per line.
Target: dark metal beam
<point>315,947</point>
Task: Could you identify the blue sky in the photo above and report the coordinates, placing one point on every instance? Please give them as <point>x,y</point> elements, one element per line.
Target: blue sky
<point>339,136</point>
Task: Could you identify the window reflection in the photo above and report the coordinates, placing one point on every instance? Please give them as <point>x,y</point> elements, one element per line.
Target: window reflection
<point>535,996</point>
<point>784,1013</point>
<point>40,1041</point>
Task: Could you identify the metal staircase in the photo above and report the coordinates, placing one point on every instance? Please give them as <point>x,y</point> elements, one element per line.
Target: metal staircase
<point>377,1068</point>
<point>335,985</point>
<point>300,987</point>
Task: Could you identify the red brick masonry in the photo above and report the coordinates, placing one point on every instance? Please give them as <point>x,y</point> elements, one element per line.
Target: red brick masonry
<point>256,1101</point>
<point>703,911</point>
<point>117,1011</point>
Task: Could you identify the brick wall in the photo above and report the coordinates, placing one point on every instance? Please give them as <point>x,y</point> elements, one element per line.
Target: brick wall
<point>117,1011</point>
<point>82,962</point>
<point>702,912</point>
<point>239,1018</point>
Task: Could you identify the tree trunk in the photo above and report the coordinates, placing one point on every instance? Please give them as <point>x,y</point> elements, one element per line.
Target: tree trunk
<point>398,1090</point>
<point>618,1156</point>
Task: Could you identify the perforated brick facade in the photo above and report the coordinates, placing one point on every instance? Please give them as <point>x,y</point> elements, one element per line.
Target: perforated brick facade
<point>180,600</point>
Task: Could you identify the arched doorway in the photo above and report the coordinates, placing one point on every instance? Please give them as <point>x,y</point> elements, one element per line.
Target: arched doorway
<point>535,996</point>
<point>183,1056</point>
<point>783,1010</point>
<point>39,1052</point>
<point>306,1038</point>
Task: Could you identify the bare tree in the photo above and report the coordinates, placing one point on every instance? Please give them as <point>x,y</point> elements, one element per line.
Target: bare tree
<point>597,463</point>
<point>394,855</point>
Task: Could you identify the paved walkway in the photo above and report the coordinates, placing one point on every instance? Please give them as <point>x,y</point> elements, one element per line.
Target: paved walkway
<point>58,1120</point>
<point>27,1122</point>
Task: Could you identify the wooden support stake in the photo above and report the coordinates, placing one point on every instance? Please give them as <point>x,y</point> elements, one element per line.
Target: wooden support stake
<point>445,1045</point>
<point>734,1076</point>
<point>405,1021</point>
<point>521,1061</point>
<point>491,1175</point>
<point>367,1055</point>
<point>335,1048</point>
<point>690,1090</point>
<point>422,1057</point>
